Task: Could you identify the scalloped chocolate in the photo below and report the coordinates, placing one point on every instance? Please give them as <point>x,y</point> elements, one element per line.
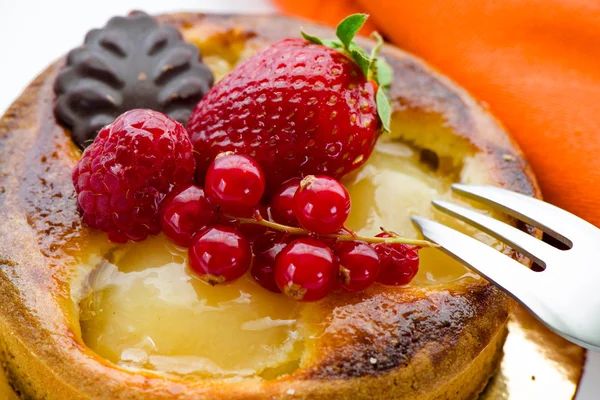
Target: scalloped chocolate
<point>132,62</point>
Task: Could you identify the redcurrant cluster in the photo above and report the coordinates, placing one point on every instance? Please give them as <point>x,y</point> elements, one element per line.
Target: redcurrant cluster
<point>295,242</point>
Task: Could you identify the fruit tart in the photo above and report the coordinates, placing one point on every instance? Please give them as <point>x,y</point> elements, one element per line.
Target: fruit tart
<point>218,207</point>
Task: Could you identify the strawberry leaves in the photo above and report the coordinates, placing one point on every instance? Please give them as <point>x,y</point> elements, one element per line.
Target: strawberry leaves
<point>375,68</point>
<point>334,44</point>
<point>384,109</point>
<point>349,27</point>
<point>385,74</point>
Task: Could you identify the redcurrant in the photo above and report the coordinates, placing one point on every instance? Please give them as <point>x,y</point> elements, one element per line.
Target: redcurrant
<point>185,212</point>
<point>321,204</point>
<point>250,231</point>
<point>219,254</point>
<point>234,182</point>
<point>399,262</point>
<point>282,203</point>
<point>265,249</point>
<point>359,265</point>
<point>306,270</point>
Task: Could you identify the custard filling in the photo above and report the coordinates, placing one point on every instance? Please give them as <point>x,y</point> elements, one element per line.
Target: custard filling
<point>144,309</point>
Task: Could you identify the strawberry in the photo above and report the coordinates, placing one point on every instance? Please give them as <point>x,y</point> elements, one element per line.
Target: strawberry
<point>299,107</point>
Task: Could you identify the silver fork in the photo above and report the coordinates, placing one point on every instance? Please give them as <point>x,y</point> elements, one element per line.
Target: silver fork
<point>565,296</point>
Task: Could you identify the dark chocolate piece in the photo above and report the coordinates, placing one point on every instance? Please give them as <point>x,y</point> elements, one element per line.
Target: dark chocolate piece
<point>133,62</point>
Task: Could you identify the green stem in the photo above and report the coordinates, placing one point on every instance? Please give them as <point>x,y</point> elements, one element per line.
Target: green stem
<point>338,237</point>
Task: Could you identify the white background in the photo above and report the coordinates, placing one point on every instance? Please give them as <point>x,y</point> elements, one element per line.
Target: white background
<point>33,33</point>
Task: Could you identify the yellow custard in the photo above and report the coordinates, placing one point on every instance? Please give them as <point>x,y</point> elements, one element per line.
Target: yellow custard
<point>145,309</point>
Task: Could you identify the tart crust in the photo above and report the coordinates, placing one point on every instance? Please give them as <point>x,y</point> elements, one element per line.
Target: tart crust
<point>388,343</point>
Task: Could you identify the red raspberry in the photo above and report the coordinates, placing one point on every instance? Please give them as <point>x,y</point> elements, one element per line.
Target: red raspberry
<point>297,108</point>
<point>128,170</point>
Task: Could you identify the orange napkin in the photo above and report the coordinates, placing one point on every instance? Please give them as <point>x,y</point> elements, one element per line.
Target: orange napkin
<point>535,62</point>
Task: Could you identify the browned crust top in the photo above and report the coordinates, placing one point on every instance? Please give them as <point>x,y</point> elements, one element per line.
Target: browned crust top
<point>419,336</point>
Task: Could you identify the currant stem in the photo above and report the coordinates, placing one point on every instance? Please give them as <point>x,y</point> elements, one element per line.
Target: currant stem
<point>259,220</point>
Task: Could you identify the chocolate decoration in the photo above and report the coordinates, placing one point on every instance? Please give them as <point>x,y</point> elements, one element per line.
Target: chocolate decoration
<point>133,62</point>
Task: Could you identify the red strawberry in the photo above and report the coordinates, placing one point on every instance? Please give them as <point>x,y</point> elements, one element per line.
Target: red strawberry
<point>298,107</point>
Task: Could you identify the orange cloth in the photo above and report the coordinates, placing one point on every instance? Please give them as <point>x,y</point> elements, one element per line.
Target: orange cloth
<point>535,62</point>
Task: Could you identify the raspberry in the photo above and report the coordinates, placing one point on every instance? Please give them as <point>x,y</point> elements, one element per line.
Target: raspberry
<point>124,175</point>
